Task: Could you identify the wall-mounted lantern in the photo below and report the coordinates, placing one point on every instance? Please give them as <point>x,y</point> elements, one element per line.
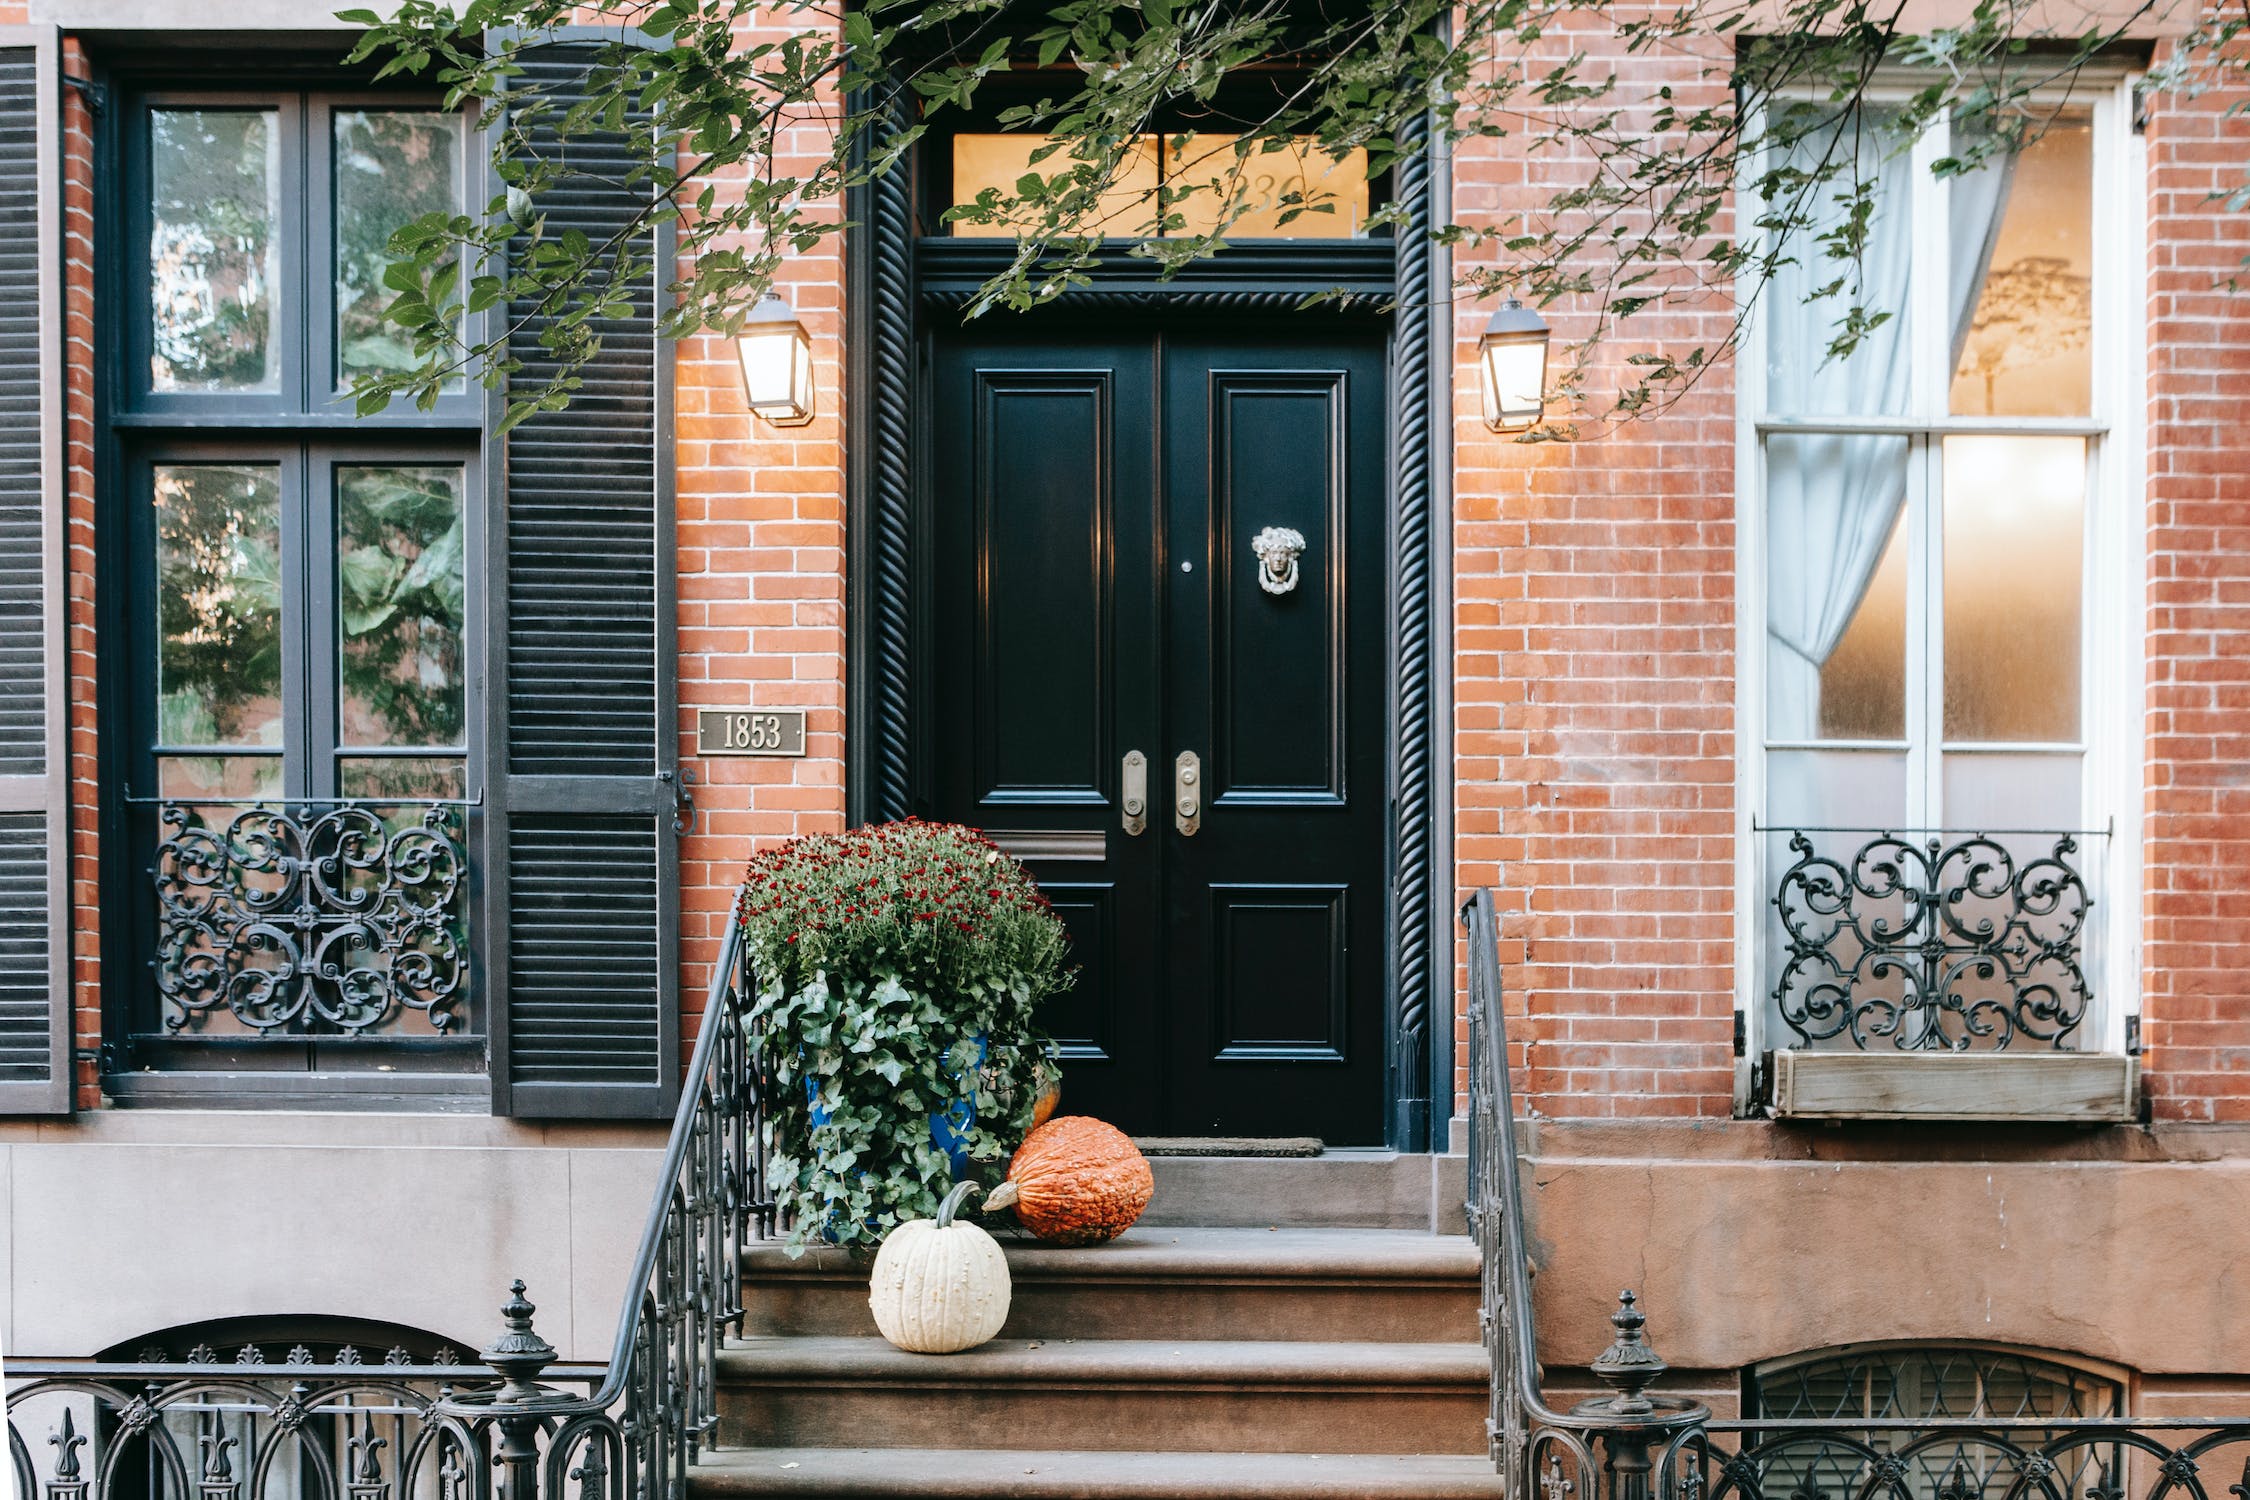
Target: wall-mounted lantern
<point>1512,356</point>
<point>776,354</point>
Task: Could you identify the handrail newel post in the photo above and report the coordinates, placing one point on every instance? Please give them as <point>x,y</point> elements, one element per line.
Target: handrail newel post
<point>518,1355</point>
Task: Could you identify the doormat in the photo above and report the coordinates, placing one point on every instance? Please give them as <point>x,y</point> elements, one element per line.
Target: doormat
<point>1228,1145</point>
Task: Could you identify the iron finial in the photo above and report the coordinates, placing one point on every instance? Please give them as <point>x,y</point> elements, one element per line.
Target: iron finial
<point>1629,1365</point>
<point>519,1354</point>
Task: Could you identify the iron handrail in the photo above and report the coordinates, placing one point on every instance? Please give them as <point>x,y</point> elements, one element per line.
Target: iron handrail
<point>635,1436</point>
<point>1653,1447</point>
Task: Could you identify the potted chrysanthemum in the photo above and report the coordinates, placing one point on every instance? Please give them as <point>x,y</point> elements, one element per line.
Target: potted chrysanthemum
<point>896,971</point>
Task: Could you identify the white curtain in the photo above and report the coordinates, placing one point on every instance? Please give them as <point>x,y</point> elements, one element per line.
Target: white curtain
<point>1833,500</point>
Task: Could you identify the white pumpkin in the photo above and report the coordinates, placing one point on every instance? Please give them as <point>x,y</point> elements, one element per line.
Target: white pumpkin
<point>939,1287</point>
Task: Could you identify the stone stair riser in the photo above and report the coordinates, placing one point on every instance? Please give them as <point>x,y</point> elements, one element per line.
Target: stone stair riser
<point>1178,1418</point>
<point>1411,1313</point>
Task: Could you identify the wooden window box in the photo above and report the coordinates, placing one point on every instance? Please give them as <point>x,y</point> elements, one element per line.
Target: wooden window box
<point>2081,1088</point>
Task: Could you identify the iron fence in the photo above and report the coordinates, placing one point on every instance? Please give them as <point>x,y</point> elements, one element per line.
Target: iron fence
<point>625,1430</point>
<point>1637,1443</point>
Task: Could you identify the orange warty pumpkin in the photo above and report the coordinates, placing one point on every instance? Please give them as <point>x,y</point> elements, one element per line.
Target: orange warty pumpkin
<point>1079,1181</point>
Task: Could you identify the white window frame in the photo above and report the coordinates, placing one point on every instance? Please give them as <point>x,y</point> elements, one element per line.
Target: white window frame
<point>2112,667</point>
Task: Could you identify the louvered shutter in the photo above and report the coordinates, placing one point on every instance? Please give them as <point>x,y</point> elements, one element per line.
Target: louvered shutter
<point>35,1012</point>
<point>584,880</point>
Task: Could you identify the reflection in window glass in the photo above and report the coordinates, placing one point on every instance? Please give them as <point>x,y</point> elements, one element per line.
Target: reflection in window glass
<point>1294,191</point>
<point>392,167</point>
<point>400,777</point>
<point>1835,587</point>
<point>218,778</point>
<point>218,582</point>
<point>2022,228</point>
<point>2014,566</point>
<point>401,579</point>
<point>214,186</point>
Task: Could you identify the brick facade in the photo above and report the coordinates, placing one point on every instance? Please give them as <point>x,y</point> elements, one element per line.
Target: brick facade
<point>2196,1001</point>
<point>1594,615</point>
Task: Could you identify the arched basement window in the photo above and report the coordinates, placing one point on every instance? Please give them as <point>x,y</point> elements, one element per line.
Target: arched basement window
<point>2007,1388</point>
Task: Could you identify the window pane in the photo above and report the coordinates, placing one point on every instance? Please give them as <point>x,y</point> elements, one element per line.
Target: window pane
<point>2014,527</point>
<point>996,162</point>
<point>401,581</point>
<point>1806,297</point>
<point>218,582</point>
<point>2022,227</point>
<point>2011,789</point>
<point>405,778</point>
<point>219,778</point>
<point>1328,196</point>
<point>214,186</point>
<point>392,167</point>
<point>1835,587</point>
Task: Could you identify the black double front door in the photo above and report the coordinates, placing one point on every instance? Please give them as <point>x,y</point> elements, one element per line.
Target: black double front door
<point>1155,668</point>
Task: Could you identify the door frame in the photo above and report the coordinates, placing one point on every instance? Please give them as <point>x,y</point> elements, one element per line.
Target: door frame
<point>898,284</point>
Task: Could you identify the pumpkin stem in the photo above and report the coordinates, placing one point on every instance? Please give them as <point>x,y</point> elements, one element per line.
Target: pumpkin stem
<point>1003,1196</point>
<point>952,1202</point>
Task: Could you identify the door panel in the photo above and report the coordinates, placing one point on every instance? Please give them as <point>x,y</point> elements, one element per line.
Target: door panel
<point>1094,591</point>
<point>1276,906</point>
<point>1043,523</point>
<point>1277,450</point>
<point>1043,663</point>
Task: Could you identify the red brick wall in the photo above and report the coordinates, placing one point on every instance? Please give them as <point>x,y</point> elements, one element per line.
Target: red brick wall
<point>2196,961</point>
<point>761,541</point>
<point>78,363</point>
<point>1594,697</point>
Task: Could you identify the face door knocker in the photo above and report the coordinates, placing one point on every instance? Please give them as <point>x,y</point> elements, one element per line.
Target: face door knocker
<point>1278,548</point>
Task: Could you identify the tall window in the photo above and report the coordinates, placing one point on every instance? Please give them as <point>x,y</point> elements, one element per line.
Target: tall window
<point>304,600</point>
<point>1928,520</point>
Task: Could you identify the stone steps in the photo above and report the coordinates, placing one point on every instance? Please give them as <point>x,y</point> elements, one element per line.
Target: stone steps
<point>1024,1474</point>
<point>1184,1395</point>
<point>1272,1330</point>
<point>1372,1285</point>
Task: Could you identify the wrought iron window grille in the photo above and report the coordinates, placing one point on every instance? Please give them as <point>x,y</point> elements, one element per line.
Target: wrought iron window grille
<point>343,916</point>
<point>1932,941</point>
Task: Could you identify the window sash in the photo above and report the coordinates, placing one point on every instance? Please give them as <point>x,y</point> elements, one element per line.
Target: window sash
<point>2107,747</point>
<point>304,302</point>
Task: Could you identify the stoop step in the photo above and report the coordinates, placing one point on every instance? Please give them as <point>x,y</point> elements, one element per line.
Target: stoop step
<point>1378,1285</point>
<point>975,1474</point>
<point>1193,1395</point>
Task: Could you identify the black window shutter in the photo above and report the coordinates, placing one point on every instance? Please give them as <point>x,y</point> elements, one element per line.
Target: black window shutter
<point>35,1009</point>
<point>583,884</point>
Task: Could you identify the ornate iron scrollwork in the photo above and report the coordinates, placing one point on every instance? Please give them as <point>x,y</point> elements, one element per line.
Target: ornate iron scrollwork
<point>335,916</point>
<point>1937,946</point>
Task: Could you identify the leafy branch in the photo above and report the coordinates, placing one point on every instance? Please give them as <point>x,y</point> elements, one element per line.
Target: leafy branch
<point>1748,155</point>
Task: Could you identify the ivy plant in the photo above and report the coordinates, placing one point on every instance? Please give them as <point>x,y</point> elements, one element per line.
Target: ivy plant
<point>896,974</point>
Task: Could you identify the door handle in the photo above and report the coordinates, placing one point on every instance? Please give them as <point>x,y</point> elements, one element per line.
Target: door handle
<point>1187,793</point>
<point>1136,794</point>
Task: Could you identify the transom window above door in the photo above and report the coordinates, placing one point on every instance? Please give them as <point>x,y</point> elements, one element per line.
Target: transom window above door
<point>1937,533</point>
<point>265,221</point>
<point>1275,189</point>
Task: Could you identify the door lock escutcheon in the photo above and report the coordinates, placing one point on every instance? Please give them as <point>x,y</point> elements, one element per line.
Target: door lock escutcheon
<point>1187,792</point>
<point>1135,799</point>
